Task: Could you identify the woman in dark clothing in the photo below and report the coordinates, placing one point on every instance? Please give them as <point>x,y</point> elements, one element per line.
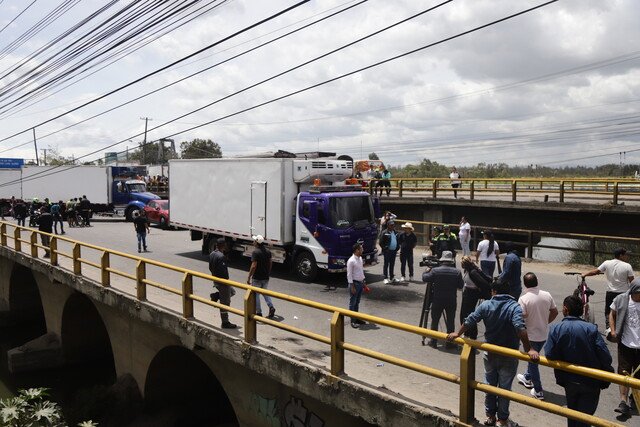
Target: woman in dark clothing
<point>477,286</point>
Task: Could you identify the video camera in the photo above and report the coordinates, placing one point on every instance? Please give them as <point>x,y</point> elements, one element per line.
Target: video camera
<point>430,261</point>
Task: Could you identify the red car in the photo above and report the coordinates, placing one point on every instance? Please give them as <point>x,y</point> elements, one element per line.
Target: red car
<point>158,212</point>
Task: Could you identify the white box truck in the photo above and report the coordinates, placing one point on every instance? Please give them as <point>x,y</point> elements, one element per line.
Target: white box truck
<point>304,209</point>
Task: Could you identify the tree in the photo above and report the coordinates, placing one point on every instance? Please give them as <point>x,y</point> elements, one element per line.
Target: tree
<point>200,149</point>
<point>153,153</point>
<point>373,156</point>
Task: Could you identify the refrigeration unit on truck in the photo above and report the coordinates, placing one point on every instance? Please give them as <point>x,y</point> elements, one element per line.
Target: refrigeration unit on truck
<point>111,189</point>
<point>304,209</point>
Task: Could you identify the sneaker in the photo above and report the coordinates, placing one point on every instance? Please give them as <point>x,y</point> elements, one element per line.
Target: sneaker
<point>506,423</point>
<point>402,278</point>
<point>537,394</point>
<point>139,251</point>
<point>386,281</point>
<point>524,381</point>
<point>360,322</point>
<point>228,325</point>
<point>272,312</point>
<point>433,343</point>
<point>394,280</point>
<point>623,408</point>
<point>354,325</point>
<point>214,296</point>
<point>411,278</point>
<point>259,314</point>
<point>607,332</point>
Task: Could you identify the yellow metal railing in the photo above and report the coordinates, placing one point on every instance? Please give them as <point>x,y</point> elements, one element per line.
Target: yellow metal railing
<point>617,188</point>
<point>336,340</point>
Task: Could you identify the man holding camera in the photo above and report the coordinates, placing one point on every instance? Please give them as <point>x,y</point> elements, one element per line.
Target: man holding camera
<point>445,281</point>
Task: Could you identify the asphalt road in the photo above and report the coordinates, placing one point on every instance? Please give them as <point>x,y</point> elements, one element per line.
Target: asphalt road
<point>401,302</point>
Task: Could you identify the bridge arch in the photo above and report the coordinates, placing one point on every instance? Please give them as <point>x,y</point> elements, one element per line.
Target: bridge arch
<point>181,383</point>
<point>25,304</point>
<point>85,340</point>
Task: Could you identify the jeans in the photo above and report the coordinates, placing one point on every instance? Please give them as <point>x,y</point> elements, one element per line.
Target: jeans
<point>258,283</point>
<point>389,263</point>
<point>608,299</point>
<point>224,294</point>
<point>455,191</point>
<point>142,238</point>
<point>57,218</point>
<point>449,311</point>
<point>406,257</point>
<point>498,371</point>
<point>20,221</point>
<point>464,244</point>
<point>354,299</point>
<point>470,299</point>
<point>582,398</point>
<point>533,371</point>
<point>488,267</point>
<point>46,241</point>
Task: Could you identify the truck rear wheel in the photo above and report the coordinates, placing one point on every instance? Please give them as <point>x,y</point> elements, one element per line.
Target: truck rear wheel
<point>305,266</point>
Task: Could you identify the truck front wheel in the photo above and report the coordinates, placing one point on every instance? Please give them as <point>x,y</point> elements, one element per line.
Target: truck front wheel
<point>131,213</point>
<point>305,266</point>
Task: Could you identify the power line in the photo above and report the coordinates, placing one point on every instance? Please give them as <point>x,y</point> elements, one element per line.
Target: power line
<point>19,15</point>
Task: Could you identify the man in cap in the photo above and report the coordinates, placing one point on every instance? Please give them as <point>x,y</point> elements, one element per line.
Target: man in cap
<point>619,274</point>
<point>445,281</point>
<point>218,268</point>
<point>624,320</point>
<point>259,273</point>
<point>389,245</point>
<point>407,242</point>
<point>446,241</point>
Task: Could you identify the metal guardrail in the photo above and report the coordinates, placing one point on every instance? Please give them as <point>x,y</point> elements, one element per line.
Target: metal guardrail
<point>616,189</point>
<point>336,340</point>
<point>592,239</point>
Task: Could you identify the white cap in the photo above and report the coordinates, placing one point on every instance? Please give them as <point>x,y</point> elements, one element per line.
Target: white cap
<point>258,239</point>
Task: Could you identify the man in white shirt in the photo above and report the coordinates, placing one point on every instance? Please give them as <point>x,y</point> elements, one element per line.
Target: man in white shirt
<point>356,280</point>
<point>454,176</point>
<point>619,274</point>
<point>538,310</point>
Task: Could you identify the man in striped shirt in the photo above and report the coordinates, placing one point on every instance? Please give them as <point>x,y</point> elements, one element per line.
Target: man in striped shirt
<point>355,277</point>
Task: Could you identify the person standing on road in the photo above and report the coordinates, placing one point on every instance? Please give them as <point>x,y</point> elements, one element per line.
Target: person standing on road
<point>218,268</point>
<point>445,281</point>
<point>477,286</point>
<point>57,217</point>
<point>407,242</point>
<point>504,325</point>
<point>464,235</point>
<point>454,176</point>
<point>20,212</point>
<point>538,310</point>
<point>487,253</point>
<point>624,319</point>
<point>389,245</point>
<point>85,210</point>
<point>619,274</point>
<point>45,224</point>
<point>141,226</point>
<point>357,282</point>
<point>259,273</point>
<point>446,241</point>
<point>512,270</point>
<point>386,176</point>
<point>578,342</point>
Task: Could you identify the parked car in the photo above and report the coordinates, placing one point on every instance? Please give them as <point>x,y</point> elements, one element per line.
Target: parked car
<point>158,212</point>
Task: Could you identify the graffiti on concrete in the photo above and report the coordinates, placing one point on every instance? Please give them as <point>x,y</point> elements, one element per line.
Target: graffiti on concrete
<point>267,409</point>
<point>296,415</point>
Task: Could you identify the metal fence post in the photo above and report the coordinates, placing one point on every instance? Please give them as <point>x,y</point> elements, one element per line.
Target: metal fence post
<point>472,190</point>
<point>592,251</point>
<point>250,325</point>
<point>467,378</point>
<point>513,190</point>
<point>337,338</point>
<point>104,269</point>
<point>400,188</point>
<point>187,290</point>
<point>17,244</point>
<point>53,248</point>
<point>77,264</point>
<point>530,244</point>
<point>141,274</point>
<point>615,193</point>
<point>3,234</point>
<point>434,189</point>
<point>34,241</point>
<point>561,192</point>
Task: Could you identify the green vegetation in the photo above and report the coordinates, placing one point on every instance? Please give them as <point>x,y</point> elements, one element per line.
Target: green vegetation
<point>30,408</point>
<point>607,248</point>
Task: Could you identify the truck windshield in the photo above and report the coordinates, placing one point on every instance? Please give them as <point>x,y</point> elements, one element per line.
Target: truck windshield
<point>136,188</point>
<point>346,212</point>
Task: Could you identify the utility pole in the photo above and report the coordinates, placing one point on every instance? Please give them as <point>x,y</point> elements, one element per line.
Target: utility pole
<point>144,142</point>
<point>35,144</point>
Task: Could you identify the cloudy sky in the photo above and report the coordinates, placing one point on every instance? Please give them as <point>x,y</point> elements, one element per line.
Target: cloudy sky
<point>558,85</point>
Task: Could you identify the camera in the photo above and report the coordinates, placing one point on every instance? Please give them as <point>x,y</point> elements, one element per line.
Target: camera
<point>430,261</point>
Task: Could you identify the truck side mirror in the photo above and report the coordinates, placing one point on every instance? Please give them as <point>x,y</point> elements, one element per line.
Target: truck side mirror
<point>312,207</point>
<point>377,212</point>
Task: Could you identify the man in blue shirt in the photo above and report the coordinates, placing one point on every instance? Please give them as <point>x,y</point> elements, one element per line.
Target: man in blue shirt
<point>389,245</point>
<point>502,316</point>
<point>512,270</point>
<point>578,342</point>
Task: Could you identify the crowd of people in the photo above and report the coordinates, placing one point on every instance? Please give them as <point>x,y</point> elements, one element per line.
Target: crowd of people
<point>76,212</point>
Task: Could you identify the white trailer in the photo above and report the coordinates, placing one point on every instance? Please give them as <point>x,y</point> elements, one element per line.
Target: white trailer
<point>313,226</point>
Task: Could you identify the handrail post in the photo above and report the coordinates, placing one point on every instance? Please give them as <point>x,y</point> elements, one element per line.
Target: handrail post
<point>3,234</point>
<point>337,338</point>
<point>250,325</point>
<point>104,269</point>
<point>467,378</point>
<point>434,189</point>
<point>615,193</point>
<point>141,275</point>
<point>472,190</point>
<point>53,250</point>
<point>530,244</point>
<point>77,265</point>
<point>561,196</point>
<point>17,244</point>
<point>400,188</point>
<point>513,190</point>
<point>187,290</point>
<point>592,251</point>
<point>371,187</point>
<point>34,241</point>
